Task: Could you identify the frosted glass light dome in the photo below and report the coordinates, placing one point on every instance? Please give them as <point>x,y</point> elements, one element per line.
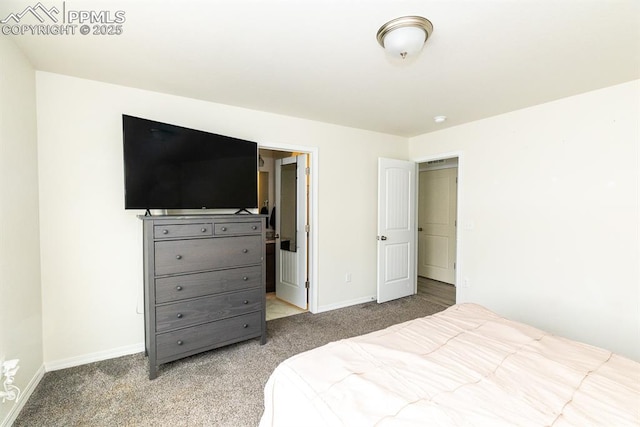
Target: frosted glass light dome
<point>405,41</point>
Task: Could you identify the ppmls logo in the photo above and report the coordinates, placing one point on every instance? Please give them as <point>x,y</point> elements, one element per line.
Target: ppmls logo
<point>38,11</point>
<point>40,20</point>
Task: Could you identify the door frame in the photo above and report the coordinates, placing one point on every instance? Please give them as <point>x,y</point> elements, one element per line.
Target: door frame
<point>439,169</point>
<point>462,284</point>
<point>313,214</point>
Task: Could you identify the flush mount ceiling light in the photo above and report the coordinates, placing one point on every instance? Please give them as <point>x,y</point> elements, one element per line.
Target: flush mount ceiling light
<point>405,36</point>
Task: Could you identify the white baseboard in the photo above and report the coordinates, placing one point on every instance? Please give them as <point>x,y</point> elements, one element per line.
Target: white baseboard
<point>93,357</point>
<point>344,304</point>
<point>24,396</point>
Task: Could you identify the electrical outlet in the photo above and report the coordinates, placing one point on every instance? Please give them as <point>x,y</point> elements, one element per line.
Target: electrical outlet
<point>465,283</point>
<point>347,277</point>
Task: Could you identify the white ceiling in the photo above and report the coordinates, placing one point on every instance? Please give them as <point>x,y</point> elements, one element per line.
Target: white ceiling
<point>319,59</point>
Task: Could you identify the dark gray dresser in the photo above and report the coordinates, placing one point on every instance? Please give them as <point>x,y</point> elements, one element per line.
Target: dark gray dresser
<point>204,284</point>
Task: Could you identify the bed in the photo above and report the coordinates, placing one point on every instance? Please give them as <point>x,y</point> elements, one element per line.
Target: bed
<point>464,366</point>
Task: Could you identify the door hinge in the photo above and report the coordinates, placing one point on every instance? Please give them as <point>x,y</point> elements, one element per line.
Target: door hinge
<point>306,284</point>
<point>307,228</point>
<point>454,265</point>
<point>307,171</point>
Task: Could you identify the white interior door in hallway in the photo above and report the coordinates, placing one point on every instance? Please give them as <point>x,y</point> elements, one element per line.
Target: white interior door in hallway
<point>437,204</point>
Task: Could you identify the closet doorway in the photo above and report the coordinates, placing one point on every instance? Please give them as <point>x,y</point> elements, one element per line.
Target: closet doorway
<point>437,228</point>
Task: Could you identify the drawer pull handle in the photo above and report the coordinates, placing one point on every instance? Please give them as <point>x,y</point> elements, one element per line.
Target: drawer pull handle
<point>178,256</point>
<point>165,231</point>
<point>179,342</point>
<point>254,228</point>
<point>224,228</point>
<point>245,326</point>
<point>179,315</point>
<point>245,278</point>
<point>244,251</point>
<point>245,302</point>
<point>178,288</point>
<point>204,230</point>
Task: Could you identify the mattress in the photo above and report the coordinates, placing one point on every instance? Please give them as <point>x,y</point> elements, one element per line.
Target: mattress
<point>464,366</point>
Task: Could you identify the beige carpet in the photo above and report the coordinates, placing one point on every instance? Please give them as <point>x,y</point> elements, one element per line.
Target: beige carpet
<point>222,387</point>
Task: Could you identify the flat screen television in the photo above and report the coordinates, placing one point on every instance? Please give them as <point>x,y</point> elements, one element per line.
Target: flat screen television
<point>173,167</point>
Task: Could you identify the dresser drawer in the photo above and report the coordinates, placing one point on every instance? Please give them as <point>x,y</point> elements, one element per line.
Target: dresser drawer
<point>212,282</point>
<point>182,256</point>
<point>172,345</point>
<point>231,228</point>
<point>207,309</point>
<point>182,230</point>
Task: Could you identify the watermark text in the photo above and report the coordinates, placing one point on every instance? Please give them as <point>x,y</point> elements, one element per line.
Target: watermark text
<point>58,20</point>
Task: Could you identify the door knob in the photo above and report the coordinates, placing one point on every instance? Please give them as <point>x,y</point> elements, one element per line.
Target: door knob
<point>419,228</point>
<point>382,238</point>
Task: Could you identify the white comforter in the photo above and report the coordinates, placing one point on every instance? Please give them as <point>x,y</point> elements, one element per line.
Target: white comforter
<point>464,366</point>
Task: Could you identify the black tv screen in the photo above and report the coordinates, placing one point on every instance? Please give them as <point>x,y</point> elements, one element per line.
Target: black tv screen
<point>172,167</point>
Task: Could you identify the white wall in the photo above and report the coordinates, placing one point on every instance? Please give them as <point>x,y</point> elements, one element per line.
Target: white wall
<point>549,211</point>
<point>555,238</point>
<point>92,247</point>
<point>20,299</point>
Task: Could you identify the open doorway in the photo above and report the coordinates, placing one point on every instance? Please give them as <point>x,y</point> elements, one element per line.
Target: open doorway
<point>437,229</point>
<point>284,190</point>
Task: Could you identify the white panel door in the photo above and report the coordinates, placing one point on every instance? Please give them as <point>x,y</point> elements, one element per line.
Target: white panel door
<point>397,276</point>
<point>291,234</point>
<point>437,224</point>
